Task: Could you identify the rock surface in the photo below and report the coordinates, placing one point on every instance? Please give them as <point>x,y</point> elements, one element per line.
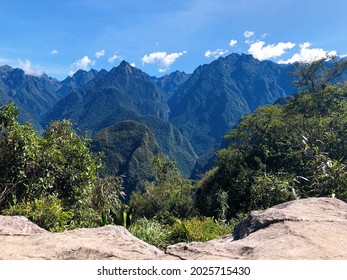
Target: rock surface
<point>314,228</point>
<point>20,239</point>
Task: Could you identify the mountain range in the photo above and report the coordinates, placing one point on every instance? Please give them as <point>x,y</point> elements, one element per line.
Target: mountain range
<point>132,116</point>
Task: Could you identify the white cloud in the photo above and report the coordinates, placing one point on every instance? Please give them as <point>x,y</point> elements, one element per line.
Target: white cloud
<point>164,59</point>
<point>133,64</point>
<point>84,63</point>
<point>28,69</point>
<point>113,58</point>
<point>217,53</point>
<point>264,35</point>
<point>232,43</point>
<point>99,54</point>
<point>248,34</point>
<point>261,52</point>
<point>53,52</point>
<point>308,54</point>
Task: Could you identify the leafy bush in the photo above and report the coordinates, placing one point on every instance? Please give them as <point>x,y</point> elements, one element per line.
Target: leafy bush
<point>46,212</point>
<point>190,230</point>
<point>199,229</point>
<point>151,231</point>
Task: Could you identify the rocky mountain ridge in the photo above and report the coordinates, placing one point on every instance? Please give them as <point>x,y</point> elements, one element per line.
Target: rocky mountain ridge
<point>34,96</point>
<point>218,94</point>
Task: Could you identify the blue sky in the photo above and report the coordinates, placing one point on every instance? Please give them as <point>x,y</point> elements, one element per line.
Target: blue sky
<point>161,36</point>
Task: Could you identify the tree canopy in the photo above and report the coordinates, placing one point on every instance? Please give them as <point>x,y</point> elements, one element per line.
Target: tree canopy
<point>56,169</point>
<point>284,152</point>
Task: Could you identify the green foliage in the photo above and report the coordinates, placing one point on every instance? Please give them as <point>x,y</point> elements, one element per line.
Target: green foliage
<point>106,199</point>
<point>151,231</point>
<point>281,153</point>
<point>317,75</point>
<point>168,193</point>
<point>198,230</point>
<point>129,148</point>
<point>190,230</point>
<point>56,172</point>
<point>46,212</point>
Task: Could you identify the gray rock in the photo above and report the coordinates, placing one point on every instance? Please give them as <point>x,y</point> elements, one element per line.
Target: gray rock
<point>314,228</point>
<point>20,239</point>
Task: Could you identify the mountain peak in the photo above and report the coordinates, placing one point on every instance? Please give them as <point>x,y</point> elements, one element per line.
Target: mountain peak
<point>124,63</point>
<point>6,68</point>
<point>125,67</point>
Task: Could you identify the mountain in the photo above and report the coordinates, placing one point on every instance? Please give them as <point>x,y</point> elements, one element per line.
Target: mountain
<point>129,149</point>
<point>123,93</point>
<point>170,83</point>
<point>188,114</point>
<point>172,142</point>
<point>218,94</point>
<point>78,79</point>
<point>33,95</point>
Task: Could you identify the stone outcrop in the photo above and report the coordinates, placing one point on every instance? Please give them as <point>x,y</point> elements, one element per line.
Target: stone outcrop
<point>21,239</point>
<point>314,228</point>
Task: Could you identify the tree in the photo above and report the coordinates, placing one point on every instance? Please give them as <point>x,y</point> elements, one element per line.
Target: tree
<point>168,196</point>
<point>317,75</point>
<point>56,168</point>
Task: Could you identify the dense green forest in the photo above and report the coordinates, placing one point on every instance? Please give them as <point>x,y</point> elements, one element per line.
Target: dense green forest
<point>279,153</point>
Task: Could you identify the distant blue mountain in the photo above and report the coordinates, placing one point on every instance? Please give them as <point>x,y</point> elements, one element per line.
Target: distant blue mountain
<point>218,94</point>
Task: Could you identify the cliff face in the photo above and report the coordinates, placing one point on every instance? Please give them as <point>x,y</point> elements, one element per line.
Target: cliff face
<point>312,228</point>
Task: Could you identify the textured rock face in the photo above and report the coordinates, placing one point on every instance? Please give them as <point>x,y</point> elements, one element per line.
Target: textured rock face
<point>21,239</point>
<point>313,228</point>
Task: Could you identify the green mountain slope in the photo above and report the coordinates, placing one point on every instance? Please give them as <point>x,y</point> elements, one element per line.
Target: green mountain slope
<point>129,148</point>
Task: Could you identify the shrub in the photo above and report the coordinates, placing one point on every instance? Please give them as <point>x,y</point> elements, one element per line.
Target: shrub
<point>151,231</point>
<point>199,229</point>
<point>46,212</point>
<point>168,193</point>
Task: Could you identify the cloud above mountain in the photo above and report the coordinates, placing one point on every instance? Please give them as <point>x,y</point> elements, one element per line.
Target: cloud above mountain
<point>99,54</point>
<point>261,51</point>
<point>217,53</point>
<point>163,59</point>
<point>84,63</point>
<point>308,54</point>
<point>232,43</point>
<point>113,58</point>
<point>28,69</point>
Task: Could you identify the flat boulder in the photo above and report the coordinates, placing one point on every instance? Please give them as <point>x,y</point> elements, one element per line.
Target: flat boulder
<point>313,228</point>
<point>20,239</point>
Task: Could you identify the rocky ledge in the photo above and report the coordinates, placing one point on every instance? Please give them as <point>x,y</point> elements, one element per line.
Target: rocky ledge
<point>314,228</point>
